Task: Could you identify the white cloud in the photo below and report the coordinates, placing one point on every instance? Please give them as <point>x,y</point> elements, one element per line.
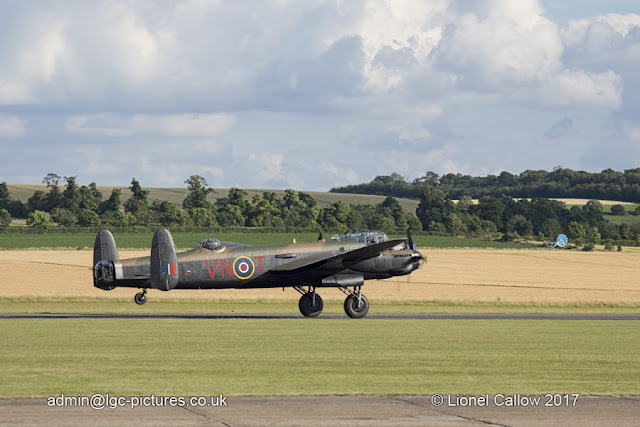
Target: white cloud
<point>167,125</point>
<point>363,87</point>
<point>12,126</point>
<point>579,88</point>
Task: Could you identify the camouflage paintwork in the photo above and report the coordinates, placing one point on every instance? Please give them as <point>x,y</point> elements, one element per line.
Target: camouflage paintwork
<point>283,265</point>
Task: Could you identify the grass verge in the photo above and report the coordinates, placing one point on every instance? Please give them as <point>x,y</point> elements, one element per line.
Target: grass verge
<point>188,305</point>
<point>49,357</point>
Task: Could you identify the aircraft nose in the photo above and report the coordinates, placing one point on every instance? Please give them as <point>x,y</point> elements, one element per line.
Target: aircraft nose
<point>418,260</point>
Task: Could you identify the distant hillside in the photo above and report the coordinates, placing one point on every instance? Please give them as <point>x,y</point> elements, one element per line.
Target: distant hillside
<point>22,192</point>
<point>559,183</point>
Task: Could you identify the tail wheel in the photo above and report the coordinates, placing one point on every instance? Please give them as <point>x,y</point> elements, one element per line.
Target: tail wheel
<point>354,308</point>
<point>309,307</point>
<point>140,298</point>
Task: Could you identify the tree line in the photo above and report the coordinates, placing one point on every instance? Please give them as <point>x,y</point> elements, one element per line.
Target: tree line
<point>559,183</point>
<point>500,217</point>
<point>515,219</point>
<point>71,205</point>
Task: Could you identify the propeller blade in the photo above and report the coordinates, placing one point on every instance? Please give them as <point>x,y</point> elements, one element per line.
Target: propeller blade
<point>320,235</point>
<point>411,244</point>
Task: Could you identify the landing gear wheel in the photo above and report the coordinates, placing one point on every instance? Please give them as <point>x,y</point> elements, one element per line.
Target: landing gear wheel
<point>140,298</point>
<point>307,306</point>
<point>354,310</point>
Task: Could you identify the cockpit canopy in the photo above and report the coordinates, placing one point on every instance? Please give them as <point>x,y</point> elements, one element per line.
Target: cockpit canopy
<point>366,237</point>
<point>211,244</point>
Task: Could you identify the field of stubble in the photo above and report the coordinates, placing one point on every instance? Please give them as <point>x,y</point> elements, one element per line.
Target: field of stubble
<point>527,276</point>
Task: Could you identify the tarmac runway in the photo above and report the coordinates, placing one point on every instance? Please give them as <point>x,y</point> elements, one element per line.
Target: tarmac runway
<point>483,316</point>
<point>331,410</point>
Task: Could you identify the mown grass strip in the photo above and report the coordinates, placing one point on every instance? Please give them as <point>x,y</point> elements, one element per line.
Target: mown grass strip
<point>257,305</point>
<point>316,356</point>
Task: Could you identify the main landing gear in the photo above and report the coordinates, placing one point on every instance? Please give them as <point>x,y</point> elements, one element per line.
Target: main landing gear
<point>141,297</point>
<point>356,305</point>
<point>310,304</point>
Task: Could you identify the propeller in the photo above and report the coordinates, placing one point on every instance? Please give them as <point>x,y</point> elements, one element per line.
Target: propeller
<point>412,245</point>
<point>320,235</point>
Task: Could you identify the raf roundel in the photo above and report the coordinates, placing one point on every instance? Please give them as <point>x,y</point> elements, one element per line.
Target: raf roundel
<point>243,267</point>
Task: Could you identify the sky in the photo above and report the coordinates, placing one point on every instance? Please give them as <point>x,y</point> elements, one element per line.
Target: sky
<point>315,94</point>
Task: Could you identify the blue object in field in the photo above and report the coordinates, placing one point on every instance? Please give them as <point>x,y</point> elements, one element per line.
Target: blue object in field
<point>560,241</point>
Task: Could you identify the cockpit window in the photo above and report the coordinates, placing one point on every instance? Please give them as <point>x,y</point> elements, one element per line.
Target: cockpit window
<point>368,237</point>
<point>211,244</point>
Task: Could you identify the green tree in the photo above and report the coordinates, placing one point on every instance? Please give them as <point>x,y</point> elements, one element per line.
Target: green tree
<point>625,231</point>
<point>88,218</point>
<point>40,220</point>
<point>576,231</point>
<point>112,204</point>
<point>16,208</point>
<point>593,212</point>
<point>491,209</point>
<point>291,198</point>
<point>168,214</point>
<point>52,179</point>
<point>228,215</point>
<point>521,225</point>
<point>64,217</point>
<point>454,225</point>
<point>5,219</point>
<point>354,220</point>
<point>90,197</point>
<point>464,204</point>
<point>38,201</point>
<point>618,210</point>
<point>71,196</point>
<point>120,219</point>
<point>138,205</point>
<point>5,196</point>
<point>551,227</point>
<point>309,201</point>
<point>433,207</point>
<point>592,235</point>
<point>335,216</point>
<point>138,200</point>
<point>202,217</point>
<point>198,191</point>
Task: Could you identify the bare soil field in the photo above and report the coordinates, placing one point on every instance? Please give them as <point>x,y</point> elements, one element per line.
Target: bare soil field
<point>535,276</point>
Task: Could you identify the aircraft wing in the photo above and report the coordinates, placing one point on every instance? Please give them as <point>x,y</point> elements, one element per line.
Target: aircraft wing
<point>330,261</point>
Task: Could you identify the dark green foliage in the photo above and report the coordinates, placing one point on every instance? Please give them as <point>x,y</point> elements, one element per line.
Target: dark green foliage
<point>168,214</point>
<point>198,191</point>
<point>112,204</point>
<point>5,218</point>
<point>71,196</point>
<point>618,210</point>
<point>559,183</point>
<point>88,218</point>
<point>64,217</point>
<point>39,220</point>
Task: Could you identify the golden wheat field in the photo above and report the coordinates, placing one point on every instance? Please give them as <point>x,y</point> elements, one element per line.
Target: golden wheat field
<point>543,276</point>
